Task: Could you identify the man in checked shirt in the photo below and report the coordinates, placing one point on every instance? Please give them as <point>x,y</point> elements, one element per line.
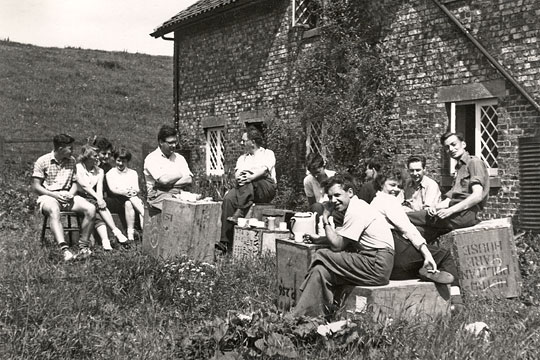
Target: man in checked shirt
<point>55,181</point>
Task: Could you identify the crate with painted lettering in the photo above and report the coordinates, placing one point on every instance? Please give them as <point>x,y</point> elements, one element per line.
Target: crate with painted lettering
<point>293,260</point>
<point>403,299</point>
<point>183,228</point>
<point>253,241</point>
<point>486,258</point>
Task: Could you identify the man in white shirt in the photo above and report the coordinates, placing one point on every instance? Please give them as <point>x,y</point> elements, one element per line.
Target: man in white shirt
<point>421,192</point>
<point>165,171</point>
<point>255,175</point>
<point>361,252</point>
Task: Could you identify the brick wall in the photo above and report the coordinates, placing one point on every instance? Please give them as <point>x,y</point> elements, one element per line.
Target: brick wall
<point>429,52</point>
<point>236,67</point>
<point>242,62</point>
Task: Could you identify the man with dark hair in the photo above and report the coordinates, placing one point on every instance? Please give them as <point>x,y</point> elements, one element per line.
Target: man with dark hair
<point>166,172</point>
<point>367,191</point>
<point>361,252</point>
<point>54,180</point>
<point>255,175</point>
<point>421,192</point>
<point>465,199</point>
<point>312,182</point>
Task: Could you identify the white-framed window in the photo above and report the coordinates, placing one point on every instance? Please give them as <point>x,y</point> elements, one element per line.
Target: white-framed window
<point>477,121</point>
<point>316,131</point>
<point>215,150</point>
<point>304,12</point>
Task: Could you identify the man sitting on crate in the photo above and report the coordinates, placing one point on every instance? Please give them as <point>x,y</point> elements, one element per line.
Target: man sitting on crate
<point>361,252</point>
<point>465,199</point>
<point>255,175</point>
<point>165,171</point>
<point>54,180</point>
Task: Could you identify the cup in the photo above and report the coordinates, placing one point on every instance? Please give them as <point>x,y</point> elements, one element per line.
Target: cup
<point>271,223</point>
<point>242,222</point>
<point>298,237</point>
<point>283,226</point>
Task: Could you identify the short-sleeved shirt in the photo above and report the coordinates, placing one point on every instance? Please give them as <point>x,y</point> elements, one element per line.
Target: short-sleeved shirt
<point>121,182</point>
<point>365,225</point>
<point>261,157</point>
<point>470,170</point>
<point>425,194</point>
<point>312,188</point>
<point>390,207</point>
<point>89,177</point>
<point>157,164</point>
<point>57,176</point>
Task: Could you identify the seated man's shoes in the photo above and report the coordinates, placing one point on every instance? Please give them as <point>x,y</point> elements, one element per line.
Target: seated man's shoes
<point>439,277</point>
<point>238,213</point>
<point>221,248</point>
<point>68,256</point>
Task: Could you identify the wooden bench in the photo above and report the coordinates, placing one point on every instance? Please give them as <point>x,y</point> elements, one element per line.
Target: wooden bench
<point>404,299</point>
<point>486,259</point>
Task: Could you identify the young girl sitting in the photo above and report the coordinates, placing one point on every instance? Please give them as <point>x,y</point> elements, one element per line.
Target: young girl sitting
<point>90,179</point>
<point>124,184</point>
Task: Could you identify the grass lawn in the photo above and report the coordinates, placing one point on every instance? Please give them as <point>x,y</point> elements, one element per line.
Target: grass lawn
<point>125,305</point>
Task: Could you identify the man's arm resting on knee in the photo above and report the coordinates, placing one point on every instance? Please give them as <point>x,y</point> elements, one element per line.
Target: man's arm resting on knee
<point>61,196</point>
<point>471,200</point>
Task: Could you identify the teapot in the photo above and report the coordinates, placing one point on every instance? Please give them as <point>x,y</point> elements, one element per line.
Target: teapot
<point>302,223</point>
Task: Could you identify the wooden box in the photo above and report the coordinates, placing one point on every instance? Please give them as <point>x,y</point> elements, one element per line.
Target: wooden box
<point>486,258</point>
<point>293,260</point>
<point>404,299</point>
<point>256,241</point>
<point>183,228</point>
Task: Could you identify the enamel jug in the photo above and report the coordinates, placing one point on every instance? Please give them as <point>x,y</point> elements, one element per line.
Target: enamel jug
<point>303,223</point>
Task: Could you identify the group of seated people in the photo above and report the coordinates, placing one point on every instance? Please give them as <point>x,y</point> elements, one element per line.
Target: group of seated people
<point>91,187</point>
<point>387,231</point>
<point>384,232</point>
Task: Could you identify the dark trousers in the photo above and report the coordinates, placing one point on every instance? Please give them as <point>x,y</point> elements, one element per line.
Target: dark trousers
<point>242,197</point>
<point>408,260</point>
<point>432,227</point>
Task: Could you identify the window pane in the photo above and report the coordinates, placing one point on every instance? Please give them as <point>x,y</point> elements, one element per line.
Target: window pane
<point>214,151</point>
<point>489,134</point>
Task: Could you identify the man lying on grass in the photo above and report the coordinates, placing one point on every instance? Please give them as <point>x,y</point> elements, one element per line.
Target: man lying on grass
<point>54,180</point>
<point>361,252</point>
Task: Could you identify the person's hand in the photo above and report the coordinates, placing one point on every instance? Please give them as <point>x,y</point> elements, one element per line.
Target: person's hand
<point>63,196</point>
<point>430,264</point>
<point>444,213</point>
<point>102,205</point>
<point>311,238</point>
<point>431,211</point>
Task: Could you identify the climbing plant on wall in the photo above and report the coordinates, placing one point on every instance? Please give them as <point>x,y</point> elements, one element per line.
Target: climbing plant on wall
<point>347,85</point>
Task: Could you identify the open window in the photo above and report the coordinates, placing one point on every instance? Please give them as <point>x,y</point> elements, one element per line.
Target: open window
<point>477,121</point>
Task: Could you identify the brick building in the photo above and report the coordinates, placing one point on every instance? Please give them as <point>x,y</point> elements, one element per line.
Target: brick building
<point>234,64</point>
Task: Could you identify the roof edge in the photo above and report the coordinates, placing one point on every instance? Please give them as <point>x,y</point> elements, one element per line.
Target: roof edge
<point>173,26</point>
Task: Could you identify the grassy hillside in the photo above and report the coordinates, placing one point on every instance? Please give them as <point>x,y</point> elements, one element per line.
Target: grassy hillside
<point>43,91</point>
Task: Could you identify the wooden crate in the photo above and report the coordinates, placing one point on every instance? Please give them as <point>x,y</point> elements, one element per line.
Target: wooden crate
<point>255,241</point>
<point>404,299</point>
<point>486,258</point>
<point>293,260</point>
<point>183,228</point>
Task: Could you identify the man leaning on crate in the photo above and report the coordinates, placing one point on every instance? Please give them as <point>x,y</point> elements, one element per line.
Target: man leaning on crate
<point>361,252</point>
<point>54,180</point>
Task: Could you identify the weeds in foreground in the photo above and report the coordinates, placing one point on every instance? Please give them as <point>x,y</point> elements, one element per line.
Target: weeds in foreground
<point>125,305</point>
